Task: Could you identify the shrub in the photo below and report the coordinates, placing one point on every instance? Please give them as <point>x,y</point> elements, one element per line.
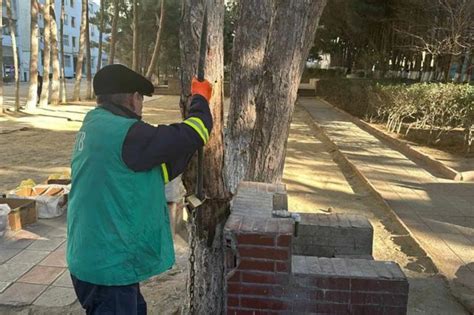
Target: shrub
<point>436,107</point>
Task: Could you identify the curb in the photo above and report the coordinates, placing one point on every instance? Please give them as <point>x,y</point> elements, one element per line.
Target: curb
<point>413,154</point>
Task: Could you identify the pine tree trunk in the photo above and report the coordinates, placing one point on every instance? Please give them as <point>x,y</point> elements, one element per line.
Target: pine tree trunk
<point>89,61</point>
<point>135,49</point>
<point>211,216</point>
<point>101,35</point>
<point>2,110</point>
<point>283,64</point>
<point>54,58</point>
<point>63,72</point>
<point>15,54</point>
<point>33,86</point>
<point>156,49</point>
<point>113,37</point>
<point>47,54</point>
<point>80,55</point>
<point>247,60</point>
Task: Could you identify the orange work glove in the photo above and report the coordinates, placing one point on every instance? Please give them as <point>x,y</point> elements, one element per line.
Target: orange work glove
<point>203,88</point>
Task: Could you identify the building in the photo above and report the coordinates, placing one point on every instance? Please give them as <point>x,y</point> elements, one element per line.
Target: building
<point>21,12</point>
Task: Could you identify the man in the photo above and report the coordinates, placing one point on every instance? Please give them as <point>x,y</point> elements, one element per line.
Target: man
<point>118,222</point>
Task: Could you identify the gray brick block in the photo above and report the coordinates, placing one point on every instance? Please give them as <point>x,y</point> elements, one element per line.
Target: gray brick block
<point>330,235</point>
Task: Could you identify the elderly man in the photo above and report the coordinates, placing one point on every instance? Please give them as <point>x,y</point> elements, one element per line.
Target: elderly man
<point>118,221</point>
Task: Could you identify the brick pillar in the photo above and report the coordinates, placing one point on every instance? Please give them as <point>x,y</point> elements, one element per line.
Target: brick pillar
<point>258,263</point>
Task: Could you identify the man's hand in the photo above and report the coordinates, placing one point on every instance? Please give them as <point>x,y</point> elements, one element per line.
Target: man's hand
<point>203,88</point>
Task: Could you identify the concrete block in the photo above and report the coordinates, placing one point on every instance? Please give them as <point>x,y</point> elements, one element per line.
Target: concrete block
<point>330,235</point>
<point>56,297</point>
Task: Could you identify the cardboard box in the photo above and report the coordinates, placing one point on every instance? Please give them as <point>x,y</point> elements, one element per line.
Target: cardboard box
<point>23,212</point>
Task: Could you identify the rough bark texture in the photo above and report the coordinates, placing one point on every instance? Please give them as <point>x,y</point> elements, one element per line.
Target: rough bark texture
<point>47,53</point>
<point>63,75</point>
<point>80,54</point>
<point>209,253</point>
<point>54,58</point>
<point>89,61</point>
<point>295,21</point>
<point>113,37</point>
<point>247,60</point>
<point>15,54</point>
<point>135,49</point>
<point>33,87</point>
<point>156,49</point>
<point>101,35</point>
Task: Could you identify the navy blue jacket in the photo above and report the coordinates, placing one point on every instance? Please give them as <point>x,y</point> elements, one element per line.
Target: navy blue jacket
<point>147,146</point>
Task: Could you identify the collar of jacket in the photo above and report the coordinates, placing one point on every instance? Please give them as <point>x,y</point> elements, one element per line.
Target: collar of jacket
<point>119,110</point>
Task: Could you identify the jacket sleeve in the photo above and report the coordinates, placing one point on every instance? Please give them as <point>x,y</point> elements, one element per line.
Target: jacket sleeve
<point>168,146</point>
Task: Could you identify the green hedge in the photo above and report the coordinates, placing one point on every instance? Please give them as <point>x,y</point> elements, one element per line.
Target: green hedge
<point>436,107</point>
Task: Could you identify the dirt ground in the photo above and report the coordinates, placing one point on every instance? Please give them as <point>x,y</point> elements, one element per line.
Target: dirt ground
<point>35,146</point>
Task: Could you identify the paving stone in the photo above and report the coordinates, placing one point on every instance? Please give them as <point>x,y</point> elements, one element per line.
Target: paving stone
<point>6,254</point>
<point>11,272</point>
<point>64,280</point>
<point>29,257</point>
<point>55,259</point>
<point>41,275</point>
<point>21,293</point>
<point>3,286</point>
<point>56,297</point>
<point>15,243</point>
<point>46,244</point>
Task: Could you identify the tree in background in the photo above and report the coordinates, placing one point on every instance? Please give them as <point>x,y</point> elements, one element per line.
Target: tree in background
<point>88,57</point>
<point>33,86</point>
<point>54,57</point>
<point>63,75</point>
<point>44,98</point>
<point>102,20</point>
<point>12,27</point>
<point>80,54</point>
<point>113,37</point>
<point>135,37</point>
<point>156,50</point>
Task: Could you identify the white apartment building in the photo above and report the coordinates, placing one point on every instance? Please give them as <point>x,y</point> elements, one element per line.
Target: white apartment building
<point>22,16</point>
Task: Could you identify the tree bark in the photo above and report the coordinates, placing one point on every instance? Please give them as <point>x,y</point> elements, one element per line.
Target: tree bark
<point>135,49</point>
<point>47,54</point>
<point>63,72</point>
<point>15,54</point>
<point>101,35</point>
<point>33,86</point>
<point>113,37</point>
<point>89,61</point>
<point>283,64</point>
<point>156,49</point>
<point>210,216</point>
<point>249,49</point>
<point>54,58</point>
<point>80,55</point>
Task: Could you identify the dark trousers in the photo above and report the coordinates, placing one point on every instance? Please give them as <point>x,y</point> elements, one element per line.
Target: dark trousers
<point>109,300</point>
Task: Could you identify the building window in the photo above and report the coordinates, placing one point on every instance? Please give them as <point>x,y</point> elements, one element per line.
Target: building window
<point>92,30</point>
<point>73,41</point>
<point>66,19</point>
<point>66,40</point>
<point>67,61</point>
<point>72,3</point>
<point>73,22</point>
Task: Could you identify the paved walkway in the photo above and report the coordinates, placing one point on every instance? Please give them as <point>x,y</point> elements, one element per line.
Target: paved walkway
<point>33,267</point>
<point>439,213</point>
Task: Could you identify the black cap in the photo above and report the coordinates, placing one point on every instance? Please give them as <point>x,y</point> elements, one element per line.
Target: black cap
<point>115,79</point>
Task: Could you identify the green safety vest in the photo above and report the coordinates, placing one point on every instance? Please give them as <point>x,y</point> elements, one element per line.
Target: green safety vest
<point>118,222</point>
